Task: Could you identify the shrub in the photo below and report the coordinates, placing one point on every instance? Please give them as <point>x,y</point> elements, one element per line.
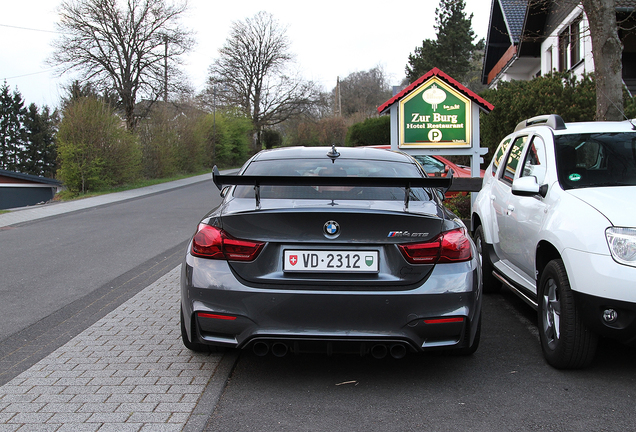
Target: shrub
<point>224,138</point>
<point>372,131</point>
<point>460,205</point>
<point>559,93</point>
<point>169,142</point>
<point>94,148</point>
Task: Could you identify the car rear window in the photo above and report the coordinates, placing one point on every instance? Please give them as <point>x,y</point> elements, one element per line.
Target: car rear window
<point>339,168</point>
<point>596,159</point>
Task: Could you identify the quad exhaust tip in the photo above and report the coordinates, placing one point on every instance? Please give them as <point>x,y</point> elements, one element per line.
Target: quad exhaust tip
<point>279,349</point>
<point>260,349</point>
<point>377,351</point>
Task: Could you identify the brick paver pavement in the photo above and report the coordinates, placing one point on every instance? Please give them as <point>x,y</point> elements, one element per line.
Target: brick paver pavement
<point>127,372</point>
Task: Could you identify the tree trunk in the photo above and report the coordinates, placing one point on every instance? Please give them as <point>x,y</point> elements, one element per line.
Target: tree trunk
<point>607,50</point>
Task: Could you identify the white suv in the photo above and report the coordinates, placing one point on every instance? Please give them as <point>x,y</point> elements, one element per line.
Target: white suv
<point>555,222</point>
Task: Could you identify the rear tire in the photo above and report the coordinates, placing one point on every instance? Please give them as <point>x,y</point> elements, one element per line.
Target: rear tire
<point>490,283</point>
<point>566,341</point>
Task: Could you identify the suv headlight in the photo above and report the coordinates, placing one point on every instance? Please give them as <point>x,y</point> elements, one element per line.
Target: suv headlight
<point>622,244</point>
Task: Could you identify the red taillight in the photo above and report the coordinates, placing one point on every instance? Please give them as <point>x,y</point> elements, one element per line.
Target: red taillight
<point>443,320</point>
<point>448,247</point>
<point>213,243</point>
<point>215,316</point>
<point>455,247</point>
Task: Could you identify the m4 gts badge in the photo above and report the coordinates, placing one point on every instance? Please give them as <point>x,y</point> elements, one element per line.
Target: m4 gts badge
<point>406,234</point>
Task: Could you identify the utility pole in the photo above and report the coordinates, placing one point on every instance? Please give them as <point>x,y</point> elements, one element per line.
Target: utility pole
<point>338,100</point>
<point>165,69</point>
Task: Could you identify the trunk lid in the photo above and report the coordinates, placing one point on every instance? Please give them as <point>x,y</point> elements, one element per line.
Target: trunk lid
<point>310,230</point>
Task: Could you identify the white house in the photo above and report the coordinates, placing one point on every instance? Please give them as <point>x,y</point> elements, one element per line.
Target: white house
<point>527,39</point>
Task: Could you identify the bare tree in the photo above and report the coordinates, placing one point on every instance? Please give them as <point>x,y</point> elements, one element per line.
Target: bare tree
<point>607,50</point>
<point>363,91</point>
<point>131,48</point>
<point>253,72</point>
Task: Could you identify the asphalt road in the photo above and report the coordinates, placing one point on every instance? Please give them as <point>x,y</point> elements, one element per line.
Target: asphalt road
<point>504,386</point>
<point>70,269</point>
<point>58,275</point>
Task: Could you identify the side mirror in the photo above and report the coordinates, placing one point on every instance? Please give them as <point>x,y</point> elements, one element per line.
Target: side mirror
<point>528,186</point>
<point>224,191</point>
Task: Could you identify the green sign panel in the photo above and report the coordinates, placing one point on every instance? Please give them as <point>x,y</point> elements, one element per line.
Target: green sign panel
<point>435,115</point>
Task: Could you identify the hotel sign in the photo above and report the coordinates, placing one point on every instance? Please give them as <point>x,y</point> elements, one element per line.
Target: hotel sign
<point>435,116</point>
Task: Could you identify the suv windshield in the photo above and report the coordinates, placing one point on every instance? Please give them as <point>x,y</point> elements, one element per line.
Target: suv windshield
<point>341,168</point>
<point>596,159</point>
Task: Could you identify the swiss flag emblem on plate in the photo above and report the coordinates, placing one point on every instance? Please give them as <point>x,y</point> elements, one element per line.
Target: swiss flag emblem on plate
<point>293,259</point>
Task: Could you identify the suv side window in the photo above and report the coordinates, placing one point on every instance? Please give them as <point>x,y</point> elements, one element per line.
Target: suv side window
<point>499,154</point>
<point>514,157</point>
<point>534,163</point>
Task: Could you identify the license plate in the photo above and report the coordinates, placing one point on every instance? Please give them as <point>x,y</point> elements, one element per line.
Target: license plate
<point>330,261</point>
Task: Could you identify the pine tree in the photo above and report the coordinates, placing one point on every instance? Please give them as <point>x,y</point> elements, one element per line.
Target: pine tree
<point>12,132</point>
<point>453,50</point>
<point>40,155</point>
<point>5,123</point>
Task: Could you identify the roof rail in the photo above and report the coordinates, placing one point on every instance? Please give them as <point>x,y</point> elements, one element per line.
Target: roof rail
<point>553,121</point>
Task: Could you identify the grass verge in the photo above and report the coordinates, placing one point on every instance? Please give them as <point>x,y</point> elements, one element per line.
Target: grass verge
<point>67,195</point>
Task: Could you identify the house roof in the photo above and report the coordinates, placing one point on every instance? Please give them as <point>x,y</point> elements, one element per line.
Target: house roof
<point>484,104</point>
<point>518,27</point>
<point>505,30</point>
<point>514,15</point>
<point>27,178</point>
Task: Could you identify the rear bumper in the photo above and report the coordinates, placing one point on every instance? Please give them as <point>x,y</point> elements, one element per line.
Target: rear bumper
<point>224,312</point>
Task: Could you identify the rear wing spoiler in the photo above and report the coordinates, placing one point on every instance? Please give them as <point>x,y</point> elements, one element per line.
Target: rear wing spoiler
<point>257,181</point>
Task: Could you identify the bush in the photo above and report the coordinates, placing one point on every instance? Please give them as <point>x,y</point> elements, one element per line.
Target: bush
<point>559,93</point>
<point>224,138</point>
<point>372,131</point>
<point>323,132</point>
<point>169,143</point>
<point>271,138</point>
<point>94,148</point>
<point>460,205</point>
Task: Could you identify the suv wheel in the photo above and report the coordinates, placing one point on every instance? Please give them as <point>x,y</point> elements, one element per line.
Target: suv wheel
<point>566,342</point>
<point>490,283</point>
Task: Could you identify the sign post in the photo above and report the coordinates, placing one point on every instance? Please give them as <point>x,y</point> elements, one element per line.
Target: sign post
<point>437,115</point>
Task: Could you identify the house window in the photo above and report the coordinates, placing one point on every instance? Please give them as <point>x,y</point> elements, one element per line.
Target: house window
<point>575,42</point>
<point>564,41</point>
<point>570,45</point>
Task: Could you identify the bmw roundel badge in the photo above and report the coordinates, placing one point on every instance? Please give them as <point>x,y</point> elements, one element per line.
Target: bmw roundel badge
<point>331,228</point>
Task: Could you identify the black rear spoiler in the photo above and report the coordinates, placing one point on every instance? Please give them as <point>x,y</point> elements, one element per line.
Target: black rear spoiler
<point>257,181</point>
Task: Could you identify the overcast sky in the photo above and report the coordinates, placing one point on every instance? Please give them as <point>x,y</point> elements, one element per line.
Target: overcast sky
<point>329,38</point>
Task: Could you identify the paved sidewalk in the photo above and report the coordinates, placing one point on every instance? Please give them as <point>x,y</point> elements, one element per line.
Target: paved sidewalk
<point>27,214</point>
<point>127,372</point>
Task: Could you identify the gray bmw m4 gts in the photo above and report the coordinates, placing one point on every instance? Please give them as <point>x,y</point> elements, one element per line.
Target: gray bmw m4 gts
<point>327,250</point>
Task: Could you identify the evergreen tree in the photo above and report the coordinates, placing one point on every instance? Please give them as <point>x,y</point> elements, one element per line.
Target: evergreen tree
<point>12,132</point>
<point>40,155</point>
<point>453,50</point>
